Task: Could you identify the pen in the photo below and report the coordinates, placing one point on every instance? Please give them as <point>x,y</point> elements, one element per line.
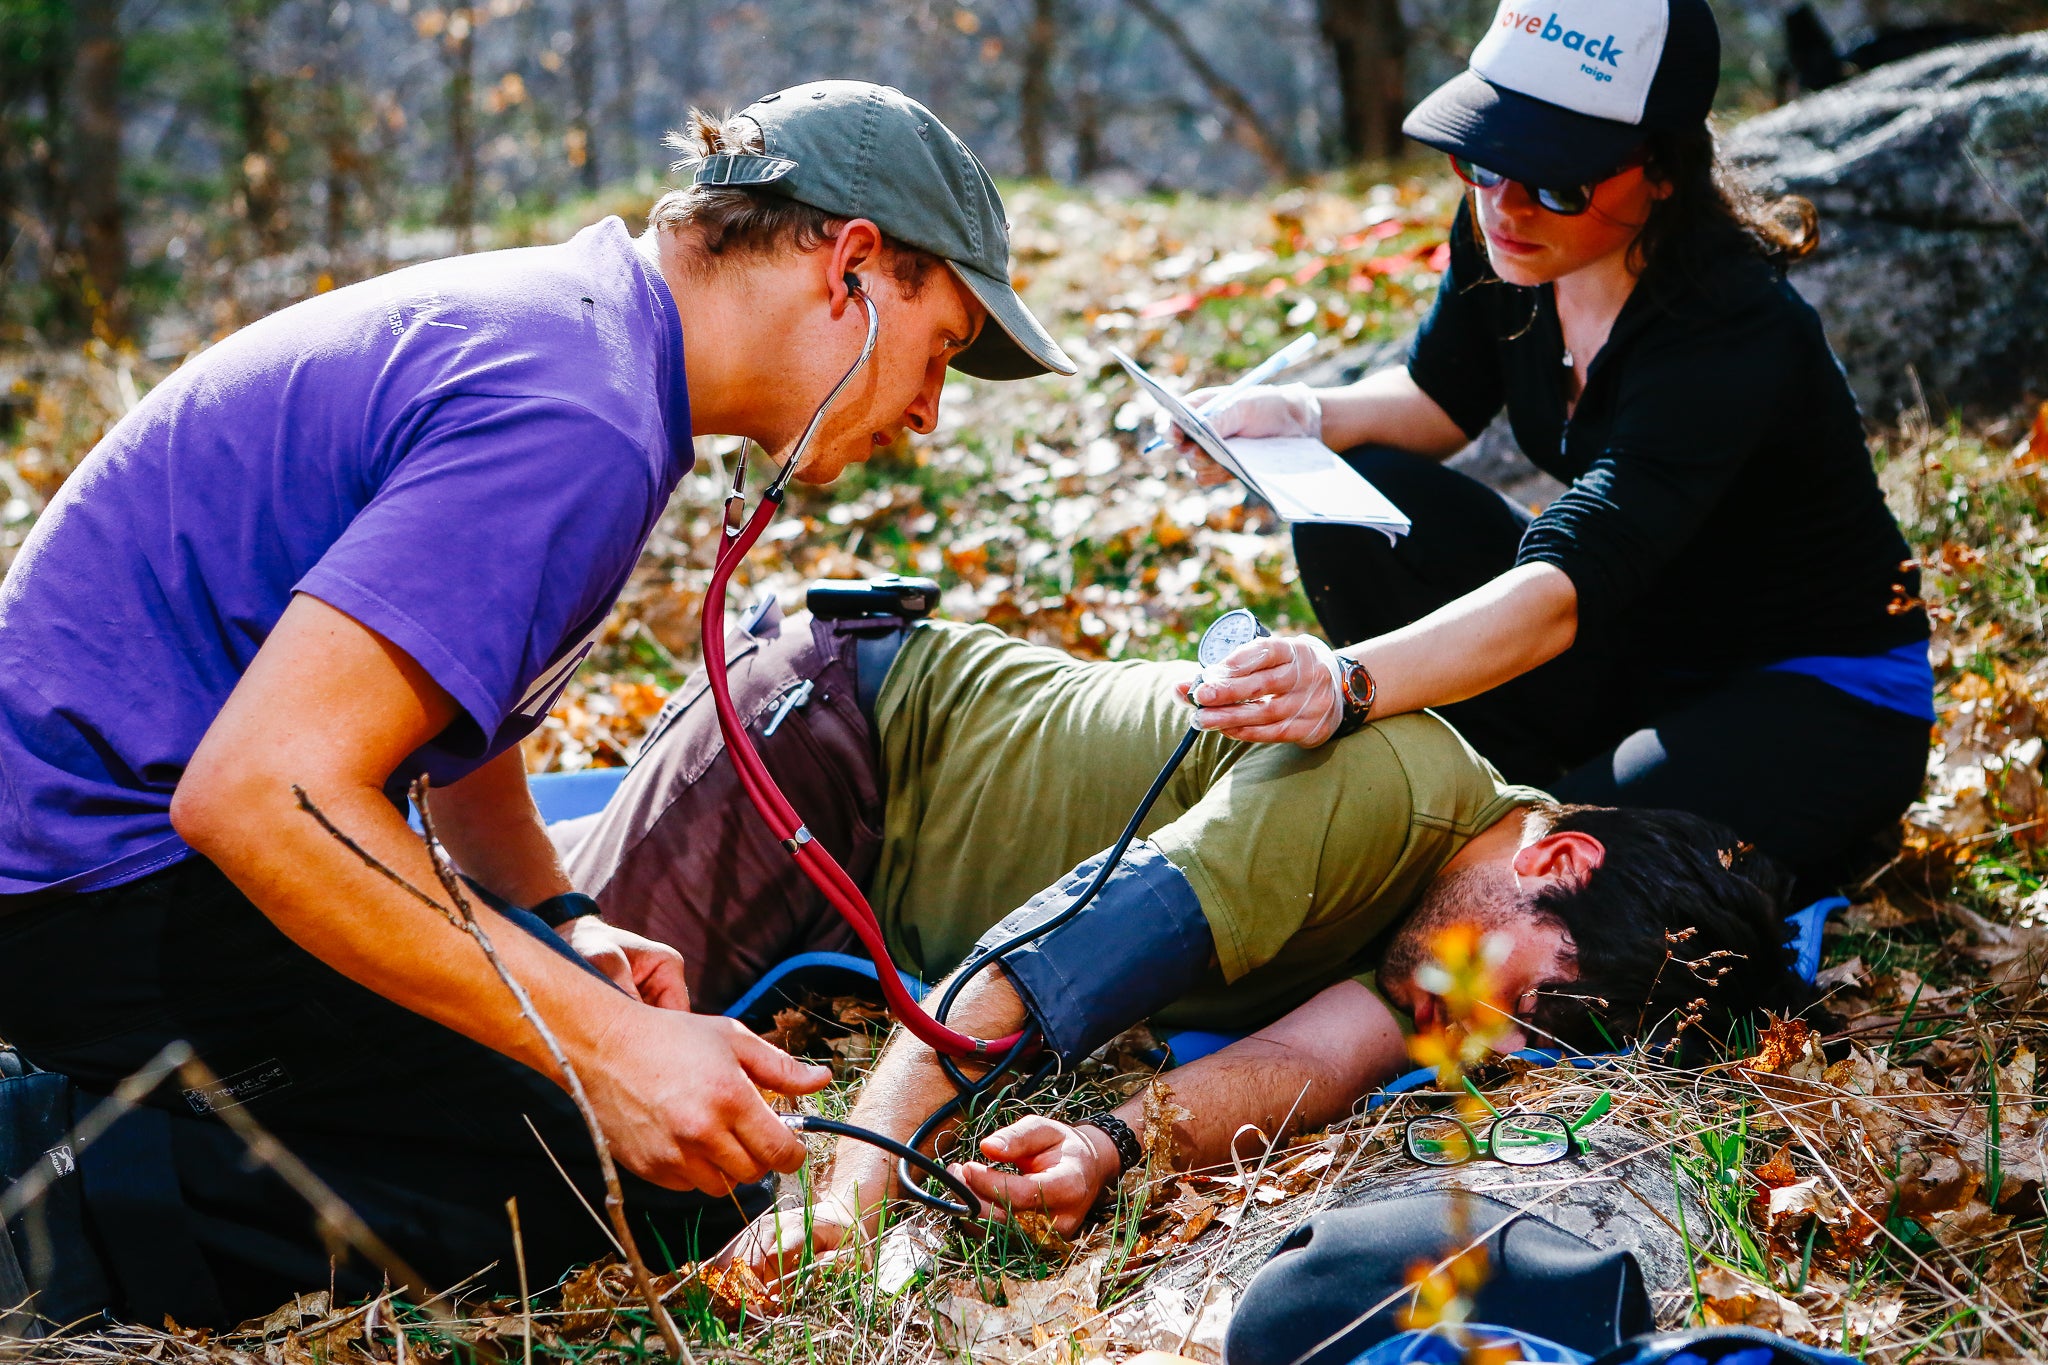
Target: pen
<point>1287,355</point>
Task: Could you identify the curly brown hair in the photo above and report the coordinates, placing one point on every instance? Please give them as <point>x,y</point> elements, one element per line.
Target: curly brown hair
<point>725,221</point>
<point>1709,210</point>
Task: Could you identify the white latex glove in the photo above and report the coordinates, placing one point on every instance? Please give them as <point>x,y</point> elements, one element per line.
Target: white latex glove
<point>1262,410</point>
<point>1284,688</point>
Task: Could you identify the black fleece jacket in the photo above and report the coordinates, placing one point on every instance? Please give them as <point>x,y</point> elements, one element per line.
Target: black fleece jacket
<point>1722,510</point>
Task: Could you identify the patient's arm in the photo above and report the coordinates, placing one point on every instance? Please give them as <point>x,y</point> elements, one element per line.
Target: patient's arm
<point>1312,1064</point>
<point>905,1086</point>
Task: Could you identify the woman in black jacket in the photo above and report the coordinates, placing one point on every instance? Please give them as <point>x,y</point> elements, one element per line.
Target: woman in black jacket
<point>1719,614</point>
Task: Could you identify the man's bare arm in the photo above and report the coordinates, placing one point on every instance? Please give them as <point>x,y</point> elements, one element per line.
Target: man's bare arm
<point>495,834</point>
<point>331,706</point>
<point>1301,1072</point>
<point>1314,1062</point>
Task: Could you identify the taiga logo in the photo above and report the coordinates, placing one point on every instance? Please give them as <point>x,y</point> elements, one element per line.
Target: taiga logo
<point>1550,31</point>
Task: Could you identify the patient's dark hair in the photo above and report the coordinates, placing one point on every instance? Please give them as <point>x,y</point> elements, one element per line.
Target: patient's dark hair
<point>1680,911</point>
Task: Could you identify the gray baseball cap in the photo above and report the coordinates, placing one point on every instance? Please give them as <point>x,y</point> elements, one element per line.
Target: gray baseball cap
<point>857,150</point>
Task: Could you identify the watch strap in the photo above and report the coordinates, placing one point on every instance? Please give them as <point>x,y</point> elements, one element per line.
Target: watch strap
<point>1357,689</point>
<point>557,911</point>
<point>1128,1151</point>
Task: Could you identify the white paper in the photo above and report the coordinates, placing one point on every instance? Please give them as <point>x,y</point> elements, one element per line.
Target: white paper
<point>1303,479</point>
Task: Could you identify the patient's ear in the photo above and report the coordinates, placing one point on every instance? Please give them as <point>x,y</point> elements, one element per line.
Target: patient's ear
<point>1568,856</point>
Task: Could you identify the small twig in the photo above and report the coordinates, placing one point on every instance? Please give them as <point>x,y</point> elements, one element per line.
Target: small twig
<point>1250,1212</point>
<point>463,917</point>
<point>525,1292</point>
<point>614,1194</point>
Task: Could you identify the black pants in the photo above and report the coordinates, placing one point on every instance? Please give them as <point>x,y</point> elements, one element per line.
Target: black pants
<point>1803,770</point>
<point>423,1132</point>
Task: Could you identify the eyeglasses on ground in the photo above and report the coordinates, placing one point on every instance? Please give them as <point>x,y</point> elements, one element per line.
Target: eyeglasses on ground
<point>1512,1139</point>
<point>1568,201</point>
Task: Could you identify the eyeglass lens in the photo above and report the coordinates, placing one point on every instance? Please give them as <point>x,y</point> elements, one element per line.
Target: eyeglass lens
<point>1439,1141</point>
<point>1530,1139</point>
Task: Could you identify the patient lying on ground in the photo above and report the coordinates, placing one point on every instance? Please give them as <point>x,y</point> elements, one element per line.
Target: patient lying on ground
<point>969,782</point>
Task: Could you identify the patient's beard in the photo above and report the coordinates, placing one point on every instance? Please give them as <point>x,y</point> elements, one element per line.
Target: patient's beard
<point>1467,895</point>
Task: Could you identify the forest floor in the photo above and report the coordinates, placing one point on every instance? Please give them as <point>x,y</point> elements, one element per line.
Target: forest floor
<point>1874,1181</point>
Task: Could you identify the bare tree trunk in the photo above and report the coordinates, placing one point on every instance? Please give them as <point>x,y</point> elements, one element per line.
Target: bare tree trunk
<point>1251,129</point>
<point>262,188</point>
<point>1088,158</point>
<point>458,46</point>
<point>583,92</point>
<point>1034,94</point>
<point>1369,46</point>
<point>96,164</point>
<point>626,69</point>
<point>345,162</point>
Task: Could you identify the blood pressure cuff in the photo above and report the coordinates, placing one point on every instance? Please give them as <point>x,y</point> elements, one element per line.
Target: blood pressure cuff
<point>1140,945</point>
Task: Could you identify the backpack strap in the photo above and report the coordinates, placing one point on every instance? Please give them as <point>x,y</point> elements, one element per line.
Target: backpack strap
<point>1710,1344</point>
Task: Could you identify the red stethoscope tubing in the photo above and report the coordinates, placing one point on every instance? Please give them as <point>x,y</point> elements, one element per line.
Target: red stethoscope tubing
<point>819,865</point>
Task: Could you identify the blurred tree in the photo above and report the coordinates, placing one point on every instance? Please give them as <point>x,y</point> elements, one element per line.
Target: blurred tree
<point>1034,92</point>
<point>95,164</point>
<point>35,208</point>
<point>583,92</point>
<point>261,187</point>
<point>1369,45</point>
<point>1250,127</point>
<point>458,49</point>
<point>625,90</point>
<point>336,117</point>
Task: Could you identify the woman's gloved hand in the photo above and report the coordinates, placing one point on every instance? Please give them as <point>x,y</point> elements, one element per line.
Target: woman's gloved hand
<point>1284,688</point>
<point>1262,410</point>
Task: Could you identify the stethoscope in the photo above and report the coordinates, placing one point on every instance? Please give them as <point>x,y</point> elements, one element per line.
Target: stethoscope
<point>1003,1054</point>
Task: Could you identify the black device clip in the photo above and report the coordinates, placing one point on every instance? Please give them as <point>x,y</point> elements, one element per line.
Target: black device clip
<point>842,599</point>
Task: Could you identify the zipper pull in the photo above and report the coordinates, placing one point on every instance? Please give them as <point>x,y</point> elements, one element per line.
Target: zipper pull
<point>795,697</point>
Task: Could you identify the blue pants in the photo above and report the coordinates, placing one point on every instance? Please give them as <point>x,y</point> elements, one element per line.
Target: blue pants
<point>423,1132</point>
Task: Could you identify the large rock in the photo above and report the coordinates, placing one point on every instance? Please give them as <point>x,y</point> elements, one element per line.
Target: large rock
<point>1931,179</point>
<point>1618,1193</point>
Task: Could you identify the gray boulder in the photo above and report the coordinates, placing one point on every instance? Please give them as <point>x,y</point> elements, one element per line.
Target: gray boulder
<point>1931,180</point>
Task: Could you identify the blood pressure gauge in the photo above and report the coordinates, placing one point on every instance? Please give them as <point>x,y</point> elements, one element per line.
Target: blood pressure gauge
<point>1226,633</point>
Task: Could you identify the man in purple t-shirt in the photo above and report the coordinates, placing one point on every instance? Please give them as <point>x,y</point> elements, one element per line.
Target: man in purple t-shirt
<point>369,539</point>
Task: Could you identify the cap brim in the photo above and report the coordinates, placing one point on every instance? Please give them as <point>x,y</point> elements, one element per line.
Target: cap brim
<point>1012,345</point>
<point>1523,138</point>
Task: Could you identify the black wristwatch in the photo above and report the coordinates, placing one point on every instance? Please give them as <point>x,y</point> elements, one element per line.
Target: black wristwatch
<point>1356,688</point>
<point>1128,1152</point>
<point>557,911</point>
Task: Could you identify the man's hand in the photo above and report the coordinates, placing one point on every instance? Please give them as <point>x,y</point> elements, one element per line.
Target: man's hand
<point>782,1240</point>
<point>679,1096</point>
<point>650,971</point>
<point>1062,1169</point>
<point>1280,689</point>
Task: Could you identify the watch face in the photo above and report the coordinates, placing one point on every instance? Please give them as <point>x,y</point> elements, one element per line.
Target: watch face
<point>1226,633</point>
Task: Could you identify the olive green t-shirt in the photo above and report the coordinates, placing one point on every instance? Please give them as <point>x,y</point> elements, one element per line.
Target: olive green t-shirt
<point>1007,764</point>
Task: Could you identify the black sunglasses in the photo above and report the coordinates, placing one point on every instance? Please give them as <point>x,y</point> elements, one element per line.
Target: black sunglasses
<point>1567,202</point>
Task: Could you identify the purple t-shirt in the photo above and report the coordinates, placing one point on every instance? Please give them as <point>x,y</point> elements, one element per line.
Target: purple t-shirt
<point>465,456</point>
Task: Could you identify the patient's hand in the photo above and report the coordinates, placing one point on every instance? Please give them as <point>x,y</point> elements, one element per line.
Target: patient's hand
<point>781,1240</point>
<point>650,971</point>
<point>1063,1170</point>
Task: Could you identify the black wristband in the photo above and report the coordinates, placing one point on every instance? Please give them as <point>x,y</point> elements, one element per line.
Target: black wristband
<point>557,911</point>
<point>1128,1152</point>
